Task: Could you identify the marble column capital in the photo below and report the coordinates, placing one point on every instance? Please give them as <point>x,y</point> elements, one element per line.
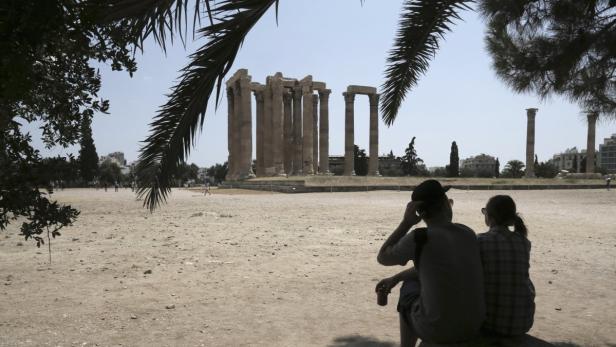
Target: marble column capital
<point>531,112</point>
<point>324,93</point>
<point>349,97</point>
<point>374,99</point>
<point>592,116</point>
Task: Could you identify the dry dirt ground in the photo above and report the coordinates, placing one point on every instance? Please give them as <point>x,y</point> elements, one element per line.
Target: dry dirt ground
<point>258,269</point>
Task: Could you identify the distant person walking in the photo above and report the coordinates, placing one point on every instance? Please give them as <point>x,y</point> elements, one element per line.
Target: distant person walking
<point>505,257</point>
<point>608,182</point>
<point>115,186</point>
<point>207,188</point>
<point>441,299</point>
<point>105,185</point>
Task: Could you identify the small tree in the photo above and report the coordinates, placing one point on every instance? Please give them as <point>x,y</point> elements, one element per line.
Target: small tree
<point>514,169</point>
<point>110,172</point>
<point>574,164</point>
<point>360,161</point>
<point>411,164</point>
<point>546,170</point>
<point>453,169</point>
<point>218,171</point>
<point>88,158</point>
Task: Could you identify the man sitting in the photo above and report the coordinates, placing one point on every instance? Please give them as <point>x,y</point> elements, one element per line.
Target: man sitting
<point>442,298</point>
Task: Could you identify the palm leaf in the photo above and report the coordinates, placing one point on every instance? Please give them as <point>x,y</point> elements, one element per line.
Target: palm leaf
<point>423,23</point>
<point>174,128</point>
<point>160,18</point>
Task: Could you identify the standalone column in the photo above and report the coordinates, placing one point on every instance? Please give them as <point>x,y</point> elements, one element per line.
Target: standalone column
<point>315,133</point>
<point>349,134</point>
<point>324,131</point>
<point>307,130</point>
<point>268,159</point>
<point>288,132</point>
<point>297,131</point>
<point>231,130</point>
<point>246,133</point>
<point>260,111</point>
<point>373,164</point>
<point>530,142</point>
<point>590,142</point>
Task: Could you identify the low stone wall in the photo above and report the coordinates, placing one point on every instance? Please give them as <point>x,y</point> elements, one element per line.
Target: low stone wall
<point>300,187</point>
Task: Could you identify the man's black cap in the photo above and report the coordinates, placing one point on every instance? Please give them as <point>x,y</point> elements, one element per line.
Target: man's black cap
<point>429,191</point>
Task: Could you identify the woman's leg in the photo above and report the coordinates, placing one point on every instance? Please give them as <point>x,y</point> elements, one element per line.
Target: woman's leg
<point>407,335</point>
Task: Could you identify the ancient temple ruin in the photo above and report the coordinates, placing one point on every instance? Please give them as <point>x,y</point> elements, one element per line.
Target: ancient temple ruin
<point>292,126</point>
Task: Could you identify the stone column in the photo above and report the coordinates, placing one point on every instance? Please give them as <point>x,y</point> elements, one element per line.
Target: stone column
<point>268,160</point>
<point>260,110</point>
<point>349,134</point>
<point>246,132</point>
<point>324,131</point>
<point>288,132</point>
<point>530,142</point>
<point>231,130</point>
<point>315,133</point>
<point>307,126</point>
<point>277,124</point>
<point>373,163</point>
<point>297,131</point>
<point>590,142</point>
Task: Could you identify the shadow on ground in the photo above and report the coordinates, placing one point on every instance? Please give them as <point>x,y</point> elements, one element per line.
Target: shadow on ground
<point>360,341</point>
<point>525,341</point>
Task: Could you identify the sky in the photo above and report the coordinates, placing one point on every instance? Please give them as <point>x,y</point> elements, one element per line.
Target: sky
<point>343,43</point>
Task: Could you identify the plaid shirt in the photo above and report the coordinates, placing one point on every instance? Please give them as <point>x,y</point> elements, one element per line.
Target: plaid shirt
<point>509,292</point>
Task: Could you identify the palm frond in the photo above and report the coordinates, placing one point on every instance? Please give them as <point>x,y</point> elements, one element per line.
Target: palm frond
<point>423,23</point>
<point>159,18</point>
<point>174,128</point>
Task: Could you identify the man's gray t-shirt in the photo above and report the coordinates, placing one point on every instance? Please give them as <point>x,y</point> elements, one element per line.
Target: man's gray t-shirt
<point>451,305</point>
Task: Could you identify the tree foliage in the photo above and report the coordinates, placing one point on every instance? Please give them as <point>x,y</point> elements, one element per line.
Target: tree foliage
<point>546,170</point>
<point>47,76</point>
<point>360,161</point>
<point>22,182</point>
<point>453,169</point>
<point>564,47</point>
<point>88,158</point>
<point>411,164</point>
<point>110,172</point>
<point>218,171</point>
<point>513,169</point>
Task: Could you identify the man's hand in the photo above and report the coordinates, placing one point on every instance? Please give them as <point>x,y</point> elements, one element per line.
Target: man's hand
<point>385,285</point>
<point>410,215</point>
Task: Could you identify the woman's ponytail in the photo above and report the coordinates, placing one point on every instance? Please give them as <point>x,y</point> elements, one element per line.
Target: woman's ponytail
<point>519,226</point>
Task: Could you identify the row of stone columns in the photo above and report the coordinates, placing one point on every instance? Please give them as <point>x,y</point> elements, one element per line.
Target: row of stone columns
<point>292,126</point>
<point>530,142</point>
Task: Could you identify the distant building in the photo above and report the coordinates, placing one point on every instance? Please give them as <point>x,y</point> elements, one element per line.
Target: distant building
<point>480,165</point>
<point>570,160</point>
<point>607,154</point>
<point>118,158</point>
